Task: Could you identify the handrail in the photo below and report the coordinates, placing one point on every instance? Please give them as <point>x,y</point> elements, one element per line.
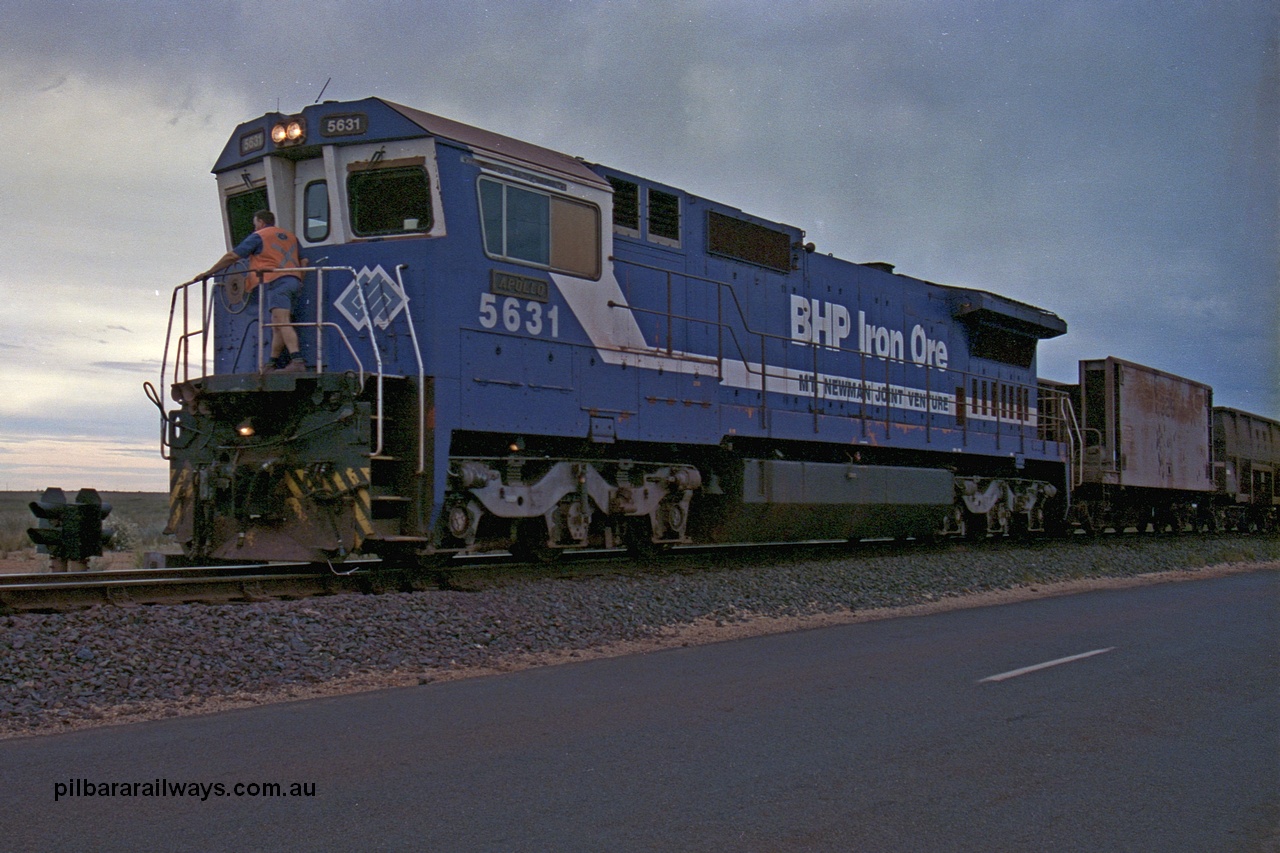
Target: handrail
<point>422,373</point>
<point>180,347</point>
<point>1074,429</point>
<point>182,332</point>
<point>377,356</point>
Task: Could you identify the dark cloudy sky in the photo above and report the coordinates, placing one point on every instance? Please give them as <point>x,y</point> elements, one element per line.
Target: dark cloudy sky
<point>1115,162</point>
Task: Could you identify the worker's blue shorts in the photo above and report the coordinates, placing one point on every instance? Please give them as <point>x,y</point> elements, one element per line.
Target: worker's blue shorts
<point>283,293</point>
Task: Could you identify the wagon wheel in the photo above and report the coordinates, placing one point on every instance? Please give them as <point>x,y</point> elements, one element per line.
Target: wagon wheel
<point>1210,524</point>
<point>1136,519</point>
<point>1090,525</point>
<point>1056,523</point>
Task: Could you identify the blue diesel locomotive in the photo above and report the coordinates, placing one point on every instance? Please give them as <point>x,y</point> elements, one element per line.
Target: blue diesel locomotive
<point>510,348</point>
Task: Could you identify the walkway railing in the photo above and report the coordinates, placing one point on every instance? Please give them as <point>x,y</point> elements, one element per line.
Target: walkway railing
<point>191,328</point>
<point>1014,409</point>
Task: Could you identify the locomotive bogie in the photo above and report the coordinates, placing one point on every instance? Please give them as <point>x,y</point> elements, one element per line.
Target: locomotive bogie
<point>1007,506</point>
<point>542,505</point>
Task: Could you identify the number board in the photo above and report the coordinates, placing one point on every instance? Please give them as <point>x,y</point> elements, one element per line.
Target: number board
<point>251,142</point>
<point>347,124</point>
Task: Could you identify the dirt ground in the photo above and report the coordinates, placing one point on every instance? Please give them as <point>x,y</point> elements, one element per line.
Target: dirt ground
<point>29,562</point>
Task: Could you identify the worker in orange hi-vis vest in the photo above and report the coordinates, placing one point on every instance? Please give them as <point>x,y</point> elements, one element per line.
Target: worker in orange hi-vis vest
<point>272,252</point>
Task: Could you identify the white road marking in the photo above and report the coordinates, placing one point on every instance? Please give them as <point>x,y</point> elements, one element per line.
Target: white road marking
<point>1026,669</point>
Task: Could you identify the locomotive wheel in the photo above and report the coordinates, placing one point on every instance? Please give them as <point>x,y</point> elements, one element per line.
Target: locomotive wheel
<point>530,544</point>
<point>431,572</point>
<point>953,525</point>
<point>975,525</point>
<point>638,537</point>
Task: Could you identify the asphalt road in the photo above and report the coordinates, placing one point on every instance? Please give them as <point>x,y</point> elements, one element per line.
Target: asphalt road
<point>913,734</point>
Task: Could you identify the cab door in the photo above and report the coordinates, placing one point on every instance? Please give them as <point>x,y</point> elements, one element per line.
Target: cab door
<point>313,205</point>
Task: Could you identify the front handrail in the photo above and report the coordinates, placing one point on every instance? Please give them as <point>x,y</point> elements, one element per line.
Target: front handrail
<point>1077,435</point>
<point>180,346</point>
<point>185,333</point>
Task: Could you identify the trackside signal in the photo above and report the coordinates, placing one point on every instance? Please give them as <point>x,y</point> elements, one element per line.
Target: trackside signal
<point>70,532</point>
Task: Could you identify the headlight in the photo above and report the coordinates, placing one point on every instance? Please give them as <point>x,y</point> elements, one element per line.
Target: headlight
<point>292,131</point>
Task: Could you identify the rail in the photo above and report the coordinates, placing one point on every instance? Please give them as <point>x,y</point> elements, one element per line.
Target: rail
<point>1013,408</point>
<point>222,583</point>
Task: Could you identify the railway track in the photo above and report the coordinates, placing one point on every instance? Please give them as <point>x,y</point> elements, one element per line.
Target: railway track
<point>249,582</point>
<point>252,582</point>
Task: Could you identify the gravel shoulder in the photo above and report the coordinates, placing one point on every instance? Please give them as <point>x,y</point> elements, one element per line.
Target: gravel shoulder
<point>111,665</point>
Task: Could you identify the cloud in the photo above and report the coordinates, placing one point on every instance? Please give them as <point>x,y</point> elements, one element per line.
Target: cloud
<point>151,367</point>
<point>1113,165</point>
<point>74,461</point>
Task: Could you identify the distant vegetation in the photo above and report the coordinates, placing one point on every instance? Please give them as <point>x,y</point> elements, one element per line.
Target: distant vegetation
<point>138,519</point>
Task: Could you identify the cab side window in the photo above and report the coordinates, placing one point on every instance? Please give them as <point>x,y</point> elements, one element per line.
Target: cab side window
<point>386,201</point>
<point>536,228</point>
<point>240,210</point>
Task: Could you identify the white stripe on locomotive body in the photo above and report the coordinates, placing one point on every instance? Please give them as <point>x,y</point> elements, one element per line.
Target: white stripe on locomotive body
<point>602,310</point>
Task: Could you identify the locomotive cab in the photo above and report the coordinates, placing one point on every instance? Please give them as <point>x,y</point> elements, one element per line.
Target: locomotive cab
<point>323,464</point>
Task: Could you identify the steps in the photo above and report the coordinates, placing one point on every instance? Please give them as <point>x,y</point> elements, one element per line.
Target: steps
<point>398,495</point>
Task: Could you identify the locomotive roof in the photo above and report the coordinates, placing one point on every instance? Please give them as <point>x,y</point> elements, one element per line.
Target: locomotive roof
<point>991,308</point>
<point>386,120</point>
<point>496,143</point>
